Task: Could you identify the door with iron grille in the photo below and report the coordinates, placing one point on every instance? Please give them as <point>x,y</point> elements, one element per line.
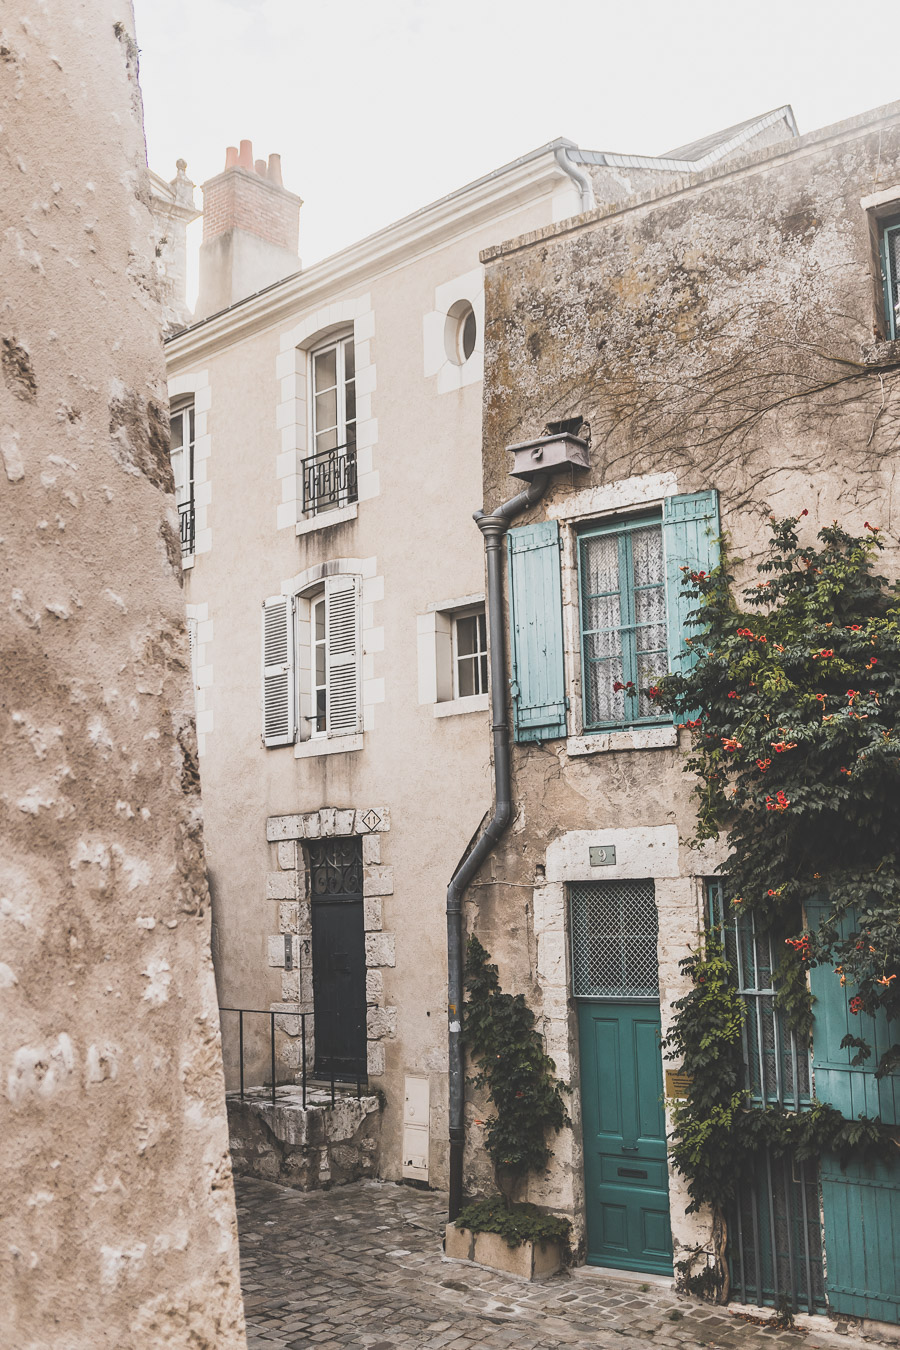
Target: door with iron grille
<point>616,982</point>
<point>338,958</point>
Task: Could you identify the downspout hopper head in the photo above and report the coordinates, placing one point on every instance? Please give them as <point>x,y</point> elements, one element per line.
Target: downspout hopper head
<point>548,453</point>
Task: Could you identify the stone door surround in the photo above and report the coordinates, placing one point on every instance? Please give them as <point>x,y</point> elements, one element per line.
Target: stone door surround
<point>290,948</point>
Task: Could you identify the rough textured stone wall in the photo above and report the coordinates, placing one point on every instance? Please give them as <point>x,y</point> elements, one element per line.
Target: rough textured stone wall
<point>309,1148</point>
<point>717,335</point>
<point>117,1224</point>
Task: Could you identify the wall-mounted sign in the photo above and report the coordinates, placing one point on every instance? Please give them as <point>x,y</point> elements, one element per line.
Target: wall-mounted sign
<point>603,856</point>
<point>677,1083</point>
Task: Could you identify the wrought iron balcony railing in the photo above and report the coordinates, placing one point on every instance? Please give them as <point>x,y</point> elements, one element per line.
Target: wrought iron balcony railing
<point>329,479</point>
<point>186,512</point>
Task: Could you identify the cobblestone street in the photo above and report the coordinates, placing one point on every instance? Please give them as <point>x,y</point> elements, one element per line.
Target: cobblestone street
<point>362,1265</point>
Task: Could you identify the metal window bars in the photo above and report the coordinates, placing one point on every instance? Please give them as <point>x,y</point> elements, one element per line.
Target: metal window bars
<point>302,1077</point>
<point>186,517</point>
<point>329,479</point>
<point>614,939</point>
<point>776,1238</point>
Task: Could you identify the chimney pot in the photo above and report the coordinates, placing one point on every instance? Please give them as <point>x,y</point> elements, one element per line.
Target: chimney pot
<point>274,171</point>
<point>231,157</point>
<point>245,158</point>
<point>260,167</point>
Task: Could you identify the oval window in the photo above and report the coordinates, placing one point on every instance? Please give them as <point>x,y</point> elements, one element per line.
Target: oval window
<point>461,332</point>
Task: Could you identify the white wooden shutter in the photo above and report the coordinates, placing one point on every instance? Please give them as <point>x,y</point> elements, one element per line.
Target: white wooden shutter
<point>279,722</point>
<point>344,655</point>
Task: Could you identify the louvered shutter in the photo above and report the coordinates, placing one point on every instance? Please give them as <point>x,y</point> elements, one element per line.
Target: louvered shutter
<point>343,645</point>
<point>690,539</point>
<point>536,632</point>
<point>279,722</point>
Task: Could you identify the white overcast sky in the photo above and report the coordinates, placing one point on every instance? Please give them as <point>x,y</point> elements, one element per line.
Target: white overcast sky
<point>378,107</point>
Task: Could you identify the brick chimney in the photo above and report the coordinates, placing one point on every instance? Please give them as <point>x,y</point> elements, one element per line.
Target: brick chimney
<point>250,230</point>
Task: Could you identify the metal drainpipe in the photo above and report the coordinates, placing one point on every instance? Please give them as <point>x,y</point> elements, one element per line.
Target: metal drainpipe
<point>578,177</point>
<point>493,526</point>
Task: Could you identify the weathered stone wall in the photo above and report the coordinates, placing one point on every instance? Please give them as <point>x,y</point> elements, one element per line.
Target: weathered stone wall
<point>716,335</point>
<point>309,1148</point>
<point>117,1225</point>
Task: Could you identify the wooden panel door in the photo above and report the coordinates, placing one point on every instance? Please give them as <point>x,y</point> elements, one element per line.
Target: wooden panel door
<point>625,1169</point>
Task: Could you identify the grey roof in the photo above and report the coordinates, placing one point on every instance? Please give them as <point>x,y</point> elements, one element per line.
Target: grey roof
<point>707,144</point>
<point>698,155</point>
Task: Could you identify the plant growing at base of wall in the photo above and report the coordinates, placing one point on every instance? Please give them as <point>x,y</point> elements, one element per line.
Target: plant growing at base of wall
<point>517,1073</point>
<point>794,707</point>
<point>719,1138</point>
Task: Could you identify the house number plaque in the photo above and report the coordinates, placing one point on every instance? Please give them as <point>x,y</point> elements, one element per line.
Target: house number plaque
<point>604,855</point>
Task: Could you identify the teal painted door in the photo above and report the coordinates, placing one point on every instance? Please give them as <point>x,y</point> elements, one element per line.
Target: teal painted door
<point>625,1171</point>
<point>861,1202</point>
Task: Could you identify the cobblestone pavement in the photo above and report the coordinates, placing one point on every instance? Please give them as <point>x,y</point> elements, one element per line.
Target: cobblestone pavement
<point>362,1265</point>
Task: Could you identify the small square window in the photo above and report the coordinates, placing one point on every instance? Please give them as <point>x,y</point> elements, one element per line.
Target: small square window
<point>470,661</point>
<point>453,656</point>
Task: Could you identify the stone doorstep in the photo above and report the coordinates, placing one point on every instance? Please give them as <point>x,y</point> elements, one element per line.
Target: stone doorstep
<point>529,1261</point>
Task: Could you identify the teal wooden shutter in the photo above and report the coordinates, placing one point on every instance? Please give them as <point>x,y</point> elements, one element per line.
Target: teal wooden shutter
<point>861,1201</point>
<point>536,633</point>
<point>690,539</point>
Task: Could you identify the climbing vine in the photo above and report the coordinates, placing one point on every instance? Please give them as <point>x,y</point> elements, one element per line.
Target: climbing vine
<point>794,707</point>
<point>514,1068</point>
<point>793,702</point>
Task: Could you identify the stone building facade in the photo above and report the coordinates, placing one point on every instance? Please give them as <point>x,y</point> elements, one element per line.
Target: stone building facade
<point>117,1218</point>
<point>327,432</point>
<point>723,341</point>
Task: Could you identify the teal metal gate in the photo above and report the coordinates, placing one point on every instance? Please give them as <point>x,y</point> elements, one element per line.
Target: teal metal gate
<point>861,1202</point>
<point>775,1236</point>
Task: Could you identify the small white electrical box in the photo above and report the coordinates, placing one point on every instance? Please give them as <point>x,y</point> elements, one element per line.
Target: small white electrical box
<point>416,1120</point>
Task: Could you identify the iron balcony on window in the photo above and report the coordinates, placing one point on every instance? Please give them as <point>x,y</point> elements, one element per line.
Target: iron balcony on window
<point>186,513</point>
<point>329,479</point>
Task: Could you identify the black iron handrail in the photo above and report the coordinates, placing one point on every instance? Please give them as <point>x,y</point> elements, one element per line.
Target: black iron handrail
<point>304,1075</point>
<point>186,514</point>
<point>329,479</point>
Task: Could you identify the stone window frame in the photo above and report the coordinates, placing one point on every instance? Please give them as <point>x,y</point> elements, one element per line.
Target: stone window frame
<point>372,687</point>
<point>601,504</point>
<point>435,642</point>
<point>290,949</point>
<point>292,413</point>
<point>196,384</point>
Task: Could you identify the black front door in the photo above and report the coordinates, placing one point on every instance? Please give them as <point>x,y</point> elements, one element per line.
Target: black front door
<point>338,958</point>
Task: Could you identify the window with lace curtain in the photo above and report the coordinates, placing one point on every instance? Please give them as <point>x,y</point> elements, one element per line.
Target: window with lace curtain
<point>624,649</point>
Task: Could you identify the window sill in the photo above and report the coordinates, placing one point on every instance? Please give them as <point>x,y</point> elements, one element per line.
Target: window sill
<point>326,518</point>
<point>636,738</point>
<point>452,707</point>
<point>187,561</point>
<point>325,745</point>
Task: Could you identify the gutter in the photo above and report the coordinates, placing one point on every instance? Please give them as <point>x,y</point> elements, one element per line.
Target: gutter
<point>493,527</point>
<point>578,177</point>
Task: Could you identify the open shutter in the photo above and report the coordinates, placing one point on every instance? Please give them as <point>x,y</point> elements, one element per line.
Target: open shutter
<point>536,632</point>
<point>343,643</point>
<point>279,722</point>
<point>690,539</point>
